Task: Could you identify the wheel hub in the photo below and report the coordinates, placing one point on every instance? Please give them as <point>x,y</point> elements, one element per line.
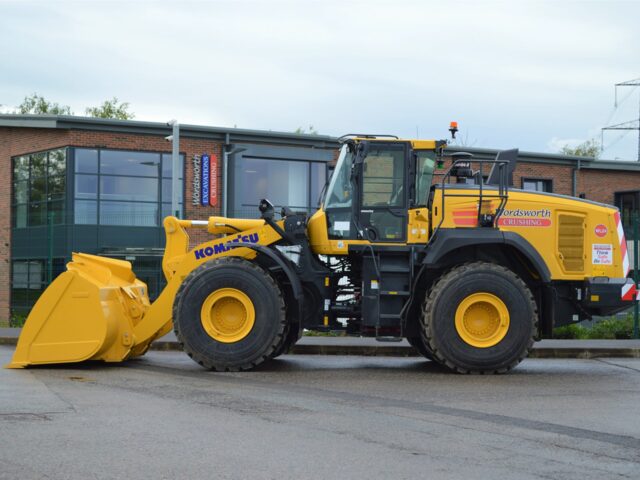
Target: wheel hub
<point>227,315</point>
<point>482,320</point>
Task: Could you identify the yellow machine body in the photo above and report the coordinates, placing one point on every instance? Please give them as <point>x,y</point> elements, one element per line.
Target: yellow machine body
<point>561,229</point>
<point>98,310</point>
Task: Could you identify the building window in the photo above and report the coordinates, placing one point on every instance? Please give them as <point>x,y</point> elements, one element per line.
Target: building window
<point>29,278</point>
<point>629,205</point>
<point>124,188</point>
<point>39,187</point>
<point>537,184</point>
<point>292,183</point>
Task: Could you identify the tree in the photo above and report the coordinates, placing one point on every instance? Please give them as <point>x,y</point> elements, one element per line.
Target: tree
<point>111,109</point>
<point>312,131</point>
<point>37,104</point>
<point>588,148</point>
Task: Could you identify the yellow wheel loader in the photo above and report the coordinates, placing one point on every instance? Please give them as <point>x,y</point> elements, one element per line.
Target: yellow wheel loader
<point>469,271</point>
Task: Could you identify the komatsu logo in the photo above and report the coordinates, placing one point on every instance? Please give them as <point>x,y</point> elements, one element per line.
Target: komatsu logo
<point>225,247</point>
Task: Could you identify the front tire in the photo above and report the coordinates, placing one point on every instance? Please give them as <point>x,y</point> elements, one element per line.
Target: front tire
<point>479,318</point>
<point>229,315</point>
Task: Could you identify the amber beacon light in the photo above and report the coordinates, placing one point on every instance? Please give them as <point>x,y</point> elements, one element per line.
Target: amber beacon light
<point>453,128</point>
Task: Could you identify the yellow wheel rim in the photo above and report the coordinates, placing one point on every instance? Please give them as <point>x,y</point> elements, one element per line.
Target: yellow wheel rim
<point>482,320</point>
<point>228,315</point>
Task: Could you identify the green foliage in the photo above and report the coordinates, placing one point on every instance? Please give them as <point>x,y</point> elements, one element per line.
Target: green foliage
<point>330,333</point>
<point>611,328</point>
<point>589,148</point>
<point>37,104</point>
<point>311,131</point>
<point>111,109</point>
<point>17,319</point>
<point>570,332</point>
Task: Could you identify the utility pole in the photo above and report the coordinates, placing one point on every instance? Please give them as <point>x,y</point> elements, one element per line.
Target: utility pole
<point>174,138</point>
<point>631,124</point>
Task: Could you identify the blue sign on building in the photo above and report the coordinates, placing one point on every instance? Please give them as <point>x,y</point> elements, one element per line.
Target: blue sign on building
<point>205,179</point>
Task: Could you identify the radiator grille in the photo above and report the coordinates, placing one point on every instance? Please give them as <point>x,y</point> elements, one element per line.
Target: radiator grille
<point>571,242</point>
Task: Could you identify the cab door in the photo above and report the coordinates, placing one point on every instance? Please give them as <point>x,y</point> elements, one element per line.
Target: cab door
<point>382,199</point>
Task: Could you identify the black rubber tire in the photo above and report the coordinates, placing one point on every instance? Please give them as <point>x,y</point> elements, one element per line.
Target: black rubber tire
<point>421,348</point>
<point>270,319</point>
<point>438,319</point>
<point>289,339</point>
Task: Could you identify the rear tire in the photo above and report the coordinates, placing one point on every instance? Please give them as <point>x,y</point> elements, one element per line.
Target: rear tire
<point>479,318</point>
<point>421,348</point>
<point>239,334</point>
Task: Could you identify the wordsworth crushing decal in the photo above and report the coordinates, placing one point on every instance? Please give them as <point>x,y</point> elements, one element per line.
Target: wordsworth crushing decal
<point>519,217</point>
<point>516,217</point>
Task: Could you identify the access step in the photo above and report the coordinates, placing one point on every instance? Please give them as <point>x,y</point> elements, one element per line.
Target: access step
<point>394,269</point>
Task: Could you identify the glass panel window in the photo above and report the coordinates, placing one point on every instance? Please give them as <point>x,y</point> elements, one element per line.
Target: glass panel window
<point>20,216</point>
<point>56,187</point>
<point>21,168</point>
<point>166,209</point>
<point>20,192</point>
<point>128,188</point>
<point>284,183</point>
<point>167,165</point>
<point>36,274</point>
<point>57,162</point>
<point>37,214</point>
<point>166,190</point>
<point>86,186</point>
<point>424,174</point>
<point>129,213</point>
<point>86,160</point>
<point>20,274</point>
<point>38,191</point>
<point>129,163</point>
<point>537,185</point>
<point>38,165</point>
<point>56,210</point>
<point>339,191</point>
<point>318,180</point>
<point>86,212</point>
<point>383,177</point>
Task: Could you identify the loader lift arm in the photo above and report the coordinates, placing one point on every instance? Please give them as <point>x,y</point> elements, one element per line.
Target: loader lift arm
<point>98,310</point>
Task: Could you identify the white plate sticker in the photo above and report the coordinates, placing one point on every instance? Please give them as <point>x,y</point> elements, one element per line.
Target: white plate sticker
<point>602,254</point>
<point>342,226</point>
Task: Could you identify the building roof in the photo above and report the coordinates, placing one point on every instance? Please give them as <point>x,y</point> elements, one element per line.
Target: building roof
<point>225,134</point>
<point>239,135</point>
<point>588,163</point>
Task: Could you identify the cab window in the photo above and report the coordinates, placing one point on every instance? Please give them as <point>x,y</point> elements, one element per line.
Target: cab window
<point>383,177</point>
<point>425,164</point>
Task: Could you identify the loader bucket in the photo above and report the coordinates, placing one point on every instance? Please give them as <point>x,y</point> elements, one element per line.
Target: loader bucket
<point>88,313</point>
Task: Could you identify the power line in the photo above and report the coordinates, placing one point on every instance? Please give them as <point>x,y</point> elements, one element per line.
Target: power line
<point>631,124</point>
<point>618,103</point>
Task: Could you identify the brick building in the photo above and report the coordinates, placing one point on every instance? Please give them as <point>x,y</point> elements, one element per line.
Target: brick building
<point>103,186</point>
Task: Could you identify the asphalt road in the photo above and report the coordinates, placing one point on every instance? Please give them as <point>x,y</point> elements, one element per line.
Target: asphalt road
<point>320,417</point>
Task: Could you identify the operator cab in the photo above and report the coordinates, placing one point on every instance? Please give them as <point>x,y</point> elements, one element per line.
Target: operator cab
<point>375,182</point>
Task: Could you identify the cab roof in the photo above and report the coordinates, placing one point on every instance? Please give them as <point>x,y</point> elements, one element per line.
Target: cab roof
<point>415,144</point>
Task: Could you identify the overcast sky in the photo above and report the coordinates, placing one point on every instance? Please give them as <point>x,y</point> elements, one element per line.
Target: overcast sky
<point>534,75</point>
